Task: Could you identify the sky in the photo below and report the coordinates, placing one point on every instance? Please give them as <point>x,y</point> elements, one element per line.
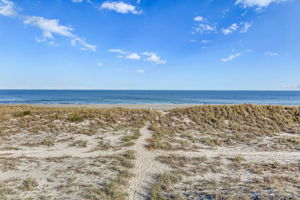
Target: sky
<point>150,44</point>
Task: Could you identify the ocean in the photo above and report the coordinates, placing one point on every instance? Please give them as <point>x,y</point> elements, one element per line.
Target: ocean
<point>148,97</point>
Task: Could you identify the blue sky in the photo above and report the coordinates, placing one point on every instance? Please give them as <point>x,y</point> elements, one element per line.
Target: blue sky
<point>150,44</point>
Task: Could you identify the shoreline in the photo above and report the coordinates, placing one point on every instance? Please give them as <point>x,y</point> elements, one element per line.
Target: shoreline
<point>160,107</point>
<point>130,106</point>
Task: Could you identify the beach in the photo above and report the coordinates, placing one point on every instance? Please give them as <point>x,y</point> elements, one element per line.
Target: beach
<point>149,100</point>
<point>149,151</point>
<point>161,107</point>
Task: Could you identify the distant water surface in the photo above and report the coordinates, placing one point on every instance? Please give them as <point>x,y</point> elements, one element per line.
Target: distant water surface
<point>148,97</point>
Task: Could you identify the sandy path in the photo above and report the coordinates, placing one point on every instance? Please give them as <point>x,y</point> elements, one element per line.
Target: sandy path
<point>146,168</point>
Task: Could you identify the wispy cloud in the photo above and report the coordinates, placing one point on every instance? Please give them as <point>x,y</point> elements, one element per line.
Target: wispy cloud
<point>99,64</point>
<point>120,7</point>
<point>77,41</point>
<point>152,57</point>
<point>245,27</point>
<point>202,25</point>
<point>7,8</point>
<point>140,71</point>
<point>118,51</point>
<point>148,56</point>
<point>231,57</point>
<point>201,28</point>
<point>271,54</point>
<point>49,27</point>
<point>242,27</point>
<point>126,54</point>
<point>257,3</point>
<point>235,55</point>
<point>230,29</point>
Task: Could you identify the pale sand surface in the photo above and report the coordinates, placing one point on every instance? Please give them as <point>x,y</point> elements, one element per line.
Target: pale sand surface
<point>146,168</point>
<point>82,169</point>
<point>134,106</point>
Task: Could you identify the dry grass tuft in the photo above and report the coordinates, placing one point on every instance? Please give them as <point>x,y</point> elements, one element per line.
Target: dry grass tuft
<point>162,186</point>
<point>80,143</point>
<point>239,179</point>
<point>224,125</point>
<point>29,184</point>
<point>35,119</point>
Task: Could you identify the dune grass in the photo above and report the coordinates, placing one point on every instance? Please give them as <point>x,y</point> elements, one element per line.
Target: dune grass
<point>184,129</point>
<point>216,178</point>
<point>223,125</point>
<point>88,121</point>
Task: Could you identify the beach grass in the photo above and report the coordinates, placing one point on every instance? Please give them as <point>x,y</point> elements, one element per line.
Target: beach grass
<point>92,153</point>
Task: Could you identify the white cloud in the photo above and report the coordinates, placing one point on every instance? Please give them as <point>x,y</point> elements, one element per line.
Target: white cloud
<point>271,54</point>
<point>202,28</point>
<point>77,41</point>
<point>231,29</point>
<point>126,54</point>
<point>149,56</point>
<point>118,51</point>
<point>257,3</point>
<point>202,25</point>
<point>152,57</point>
<point>231,57</point>
<point>7,8</point>
<point>100,64</point>
<point>235,55</point>
<point>245,27</point>
<point>140,71</point>
<point>120,7</point>
<point>199,19</point>
<point>133,56</point>
<point>51,27</point>
<point>44,40</point>
<point>242,28</point>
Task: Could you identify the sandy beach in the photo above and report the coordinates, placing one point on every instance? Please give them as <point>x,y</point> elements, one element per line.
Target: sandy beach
<point>161,107</point>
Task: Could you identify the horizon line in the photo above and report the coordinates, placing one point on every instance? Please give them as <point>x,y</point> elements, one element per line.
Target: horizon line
<point>283,90</point>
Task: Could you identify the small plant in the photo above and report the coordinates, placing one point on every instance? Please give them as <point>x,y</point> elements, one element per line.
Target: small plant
<point>130,154</point>
<point>162,184</point>
<point>23,113</point>
<point>104,145</point>
<point>76,118</point>
<point>29,184</point>
<point>48,142</point>
<point>128,139</point>
<point>112,191</point>
<point>80,143</point>
<point>238,159</point>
